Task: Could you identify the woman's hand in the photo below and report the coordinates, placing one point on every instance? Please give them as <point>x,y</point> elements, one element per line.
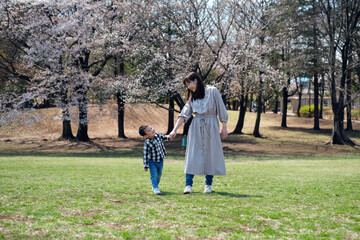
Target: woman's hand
<point>172,135</point>
<point>180,121</point>
<point>224,132</point>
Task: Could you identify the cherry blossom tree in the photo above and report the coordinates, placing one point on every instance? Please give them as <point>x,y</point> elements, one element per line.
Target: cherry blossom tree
<point>247,54</point>
<point>67,45</point>
<point>13,73</point>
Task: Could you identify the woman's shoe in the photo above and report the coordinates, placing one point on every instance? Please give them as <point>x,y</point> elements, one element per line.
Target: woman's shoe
<point>187,189</point>
<point>207,189</point>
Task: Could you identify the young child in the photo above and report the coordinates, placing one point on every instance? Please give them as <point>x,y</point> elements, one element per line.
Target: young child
<point>154,154</point>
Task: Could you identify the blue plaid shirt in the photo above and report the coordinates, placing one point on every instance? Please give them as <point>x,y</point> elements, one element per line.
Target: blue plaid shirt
<point>154,149</point>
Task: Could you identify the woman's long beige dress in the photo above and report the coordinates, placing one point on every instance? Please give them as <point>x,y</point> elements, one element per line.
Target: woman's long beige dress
<point>204,154</point>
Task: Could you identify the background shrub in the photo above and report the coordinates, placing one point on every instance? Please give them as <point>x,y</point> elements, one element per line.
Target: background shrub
<point>304,110</point>
<point>355,114</point>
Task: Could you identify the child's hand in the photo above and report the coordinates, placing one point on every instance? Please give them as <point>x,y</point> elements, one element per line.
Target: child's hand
<point>172,135</point>
<point>146,169</point>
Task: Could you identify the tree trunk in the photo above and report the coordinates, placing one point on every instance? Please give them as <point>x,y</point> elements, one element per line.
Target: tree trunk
<point>256,132</point>
<point>321,107</point>
<point>264,107</point>
<point>121,115</point>
<point>338,133</point>
<point>66,122</point>
<point>316,102</point>
<point>300,99</point>
<point>242,112</point>
<point>316,77</point>
<point>82,133</point>
<point>120,101</point>
<point>187,126</point>
<point>235,105</point>
<point>66,125</point>
<point>228,105</point>
<point>171,115</point>
<point>276,104</point>
<point>284,110</point>
<point>322,96</point>
<point>177,98</point>
<point>348,94</point>
<point>348,118</point>
<point>309,93</point>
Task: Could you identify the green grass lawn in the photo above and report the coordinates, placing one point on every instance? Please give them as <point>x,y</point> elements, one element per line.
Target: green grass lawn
<point>101,197</point>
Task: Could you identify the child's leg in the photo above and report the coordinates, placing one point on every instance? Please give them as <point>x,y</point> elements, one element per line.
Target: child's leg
<point>159,171</point>
<point>153,173</point>
<point>209,179</point>
<point>189,179</point>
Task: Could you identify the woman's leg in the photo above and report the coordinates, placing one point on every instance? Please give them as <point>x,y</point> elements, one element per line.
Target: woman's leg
<point>209,180</point>
<point>189,179</point>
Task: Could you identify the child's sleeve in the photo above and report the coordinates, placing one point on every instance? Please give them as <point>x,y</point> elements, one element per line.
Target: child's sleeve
<point>145,158</point>
<point>164,137</point>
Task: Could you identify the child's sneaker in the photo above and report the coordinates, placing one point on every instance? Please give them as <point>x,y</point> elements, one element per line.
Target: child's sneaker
<point>207,189</point>
<point>156,191</point>
<point>187,189</point>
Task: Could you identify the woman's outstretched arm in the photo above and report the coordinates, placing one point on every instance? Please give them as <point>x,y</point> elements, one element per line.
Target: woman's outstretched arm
<point>179,122</point>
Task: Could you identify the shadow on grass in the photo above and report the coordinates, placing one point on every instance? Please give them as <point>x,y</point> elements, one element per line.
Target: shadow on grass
<point>235,146</point>
<point>113,148</point>
<point>235,195</point>
<point>240,138</point>
<point>128,153</point>
<point>168,193</point>
<point>353,134</point>
<point>325,131</point>
<point>173,154</point>
<point>226,194</point>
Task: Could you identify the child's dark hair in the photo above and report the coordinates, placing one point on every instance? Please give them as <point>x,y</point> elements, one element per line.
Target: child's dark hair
<point>142,130</point>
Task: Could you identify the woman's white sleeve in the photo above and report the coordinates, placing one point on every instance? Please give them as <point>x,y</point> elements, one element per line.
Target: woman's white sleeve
<point>186,112</point>
<point>220,107</point>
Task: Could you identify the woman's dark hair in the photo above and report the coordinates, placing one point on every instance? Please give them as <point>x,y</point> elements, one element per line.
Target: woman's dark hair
<point>200,87</point>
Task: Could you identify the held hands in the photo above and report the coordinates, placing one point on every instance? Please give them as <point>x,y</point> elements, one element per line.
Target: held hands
<point>180,121</point>
<point>172,135</point>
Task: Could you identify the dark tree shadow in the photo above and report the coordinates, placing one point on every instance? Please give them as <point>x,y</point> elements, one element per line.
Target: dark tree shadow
<point>235,195</point>
<point>167,193</point>
<point>325,131</point>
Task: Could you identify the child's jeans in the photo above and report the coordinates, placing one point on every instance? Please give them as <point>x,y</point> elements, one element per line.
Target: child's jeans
<point>189,179</point>
<point>155,172</point>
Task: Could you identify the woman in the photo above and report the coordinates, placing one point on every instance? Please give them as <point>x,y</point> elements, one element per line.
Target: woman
<point>204,154</point>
